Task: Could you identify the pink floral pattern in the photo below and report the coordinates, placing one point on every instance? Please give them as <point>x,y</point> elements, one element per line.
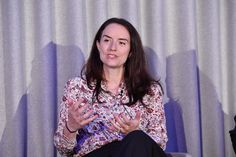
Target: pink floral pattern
<point>96,134</point>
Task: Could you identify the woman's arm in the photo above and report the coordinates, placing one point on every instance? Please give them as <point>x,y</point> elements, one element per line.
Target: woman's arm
<point>63,139</point>
<point>155,116</point>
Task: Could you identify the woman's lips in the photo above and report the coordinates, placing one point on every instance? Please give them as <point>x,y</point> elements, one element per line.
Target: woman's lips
<point>111,56</point>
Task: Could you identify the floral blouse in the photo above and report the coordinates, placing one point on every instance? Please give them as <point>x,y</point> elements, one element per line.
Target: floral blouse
<point>96,134</point>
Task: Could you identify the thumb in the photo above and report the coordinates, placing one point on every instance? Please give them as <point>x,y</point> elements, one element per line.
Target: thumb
<point>138,115</point>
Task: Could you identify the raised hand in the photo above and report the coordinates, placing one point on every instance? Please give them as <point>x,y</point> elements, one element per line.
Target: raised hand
<point>79,115</point>
<point>121,123</point>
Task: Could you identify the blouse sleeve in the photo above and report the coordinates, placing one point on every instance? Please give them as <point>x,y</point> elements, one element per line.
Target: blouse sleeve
<point>155,116</point>
<point>62,143</point>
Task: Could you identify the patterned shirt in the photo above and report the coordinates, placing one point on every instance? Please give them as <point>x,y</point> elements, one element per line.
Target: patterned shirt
<point>96,134</point>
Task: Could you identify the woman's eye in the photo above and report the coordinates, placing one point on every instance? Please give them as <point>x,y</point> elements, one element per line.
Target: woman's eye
<point>122,43</point>
<point>106,40</point>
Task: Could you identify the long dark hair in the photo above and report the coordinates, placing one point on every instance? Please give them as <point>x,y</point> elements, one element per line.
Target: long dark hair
<point>136,77</point>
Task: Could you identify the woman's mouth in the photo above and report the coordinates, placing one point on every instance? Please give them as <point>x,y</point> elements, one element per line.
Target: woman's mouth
<point>111,56</point>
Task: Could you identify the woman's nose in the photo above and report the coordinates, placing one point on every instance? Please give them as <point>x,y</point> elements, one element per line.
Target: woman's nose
<point>113,46</point>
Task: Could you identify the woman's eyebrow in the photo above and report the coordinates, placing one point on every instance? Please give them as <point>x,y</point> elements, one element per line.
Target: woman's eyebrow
<point>118,38</point>
<point>124,39</point>
<point>106,36</point>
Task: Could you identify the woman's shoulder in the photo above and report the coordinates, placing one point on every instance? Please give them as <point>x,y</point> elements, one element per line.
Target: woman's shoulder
<point>156,87</point>
<point>154,96</point>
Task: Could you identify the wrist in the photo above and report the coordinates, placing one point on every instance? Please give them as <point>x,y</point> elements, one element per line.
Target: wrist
<point>69,129</point>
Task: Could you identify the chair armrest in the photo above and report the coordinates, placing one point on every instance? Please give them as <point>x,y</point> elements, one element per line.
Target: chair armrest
<point>177,154</point>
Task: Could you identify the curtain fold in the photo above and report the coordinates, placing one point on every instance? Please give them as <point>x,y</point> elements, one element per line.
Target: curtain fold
<point>189,45</point>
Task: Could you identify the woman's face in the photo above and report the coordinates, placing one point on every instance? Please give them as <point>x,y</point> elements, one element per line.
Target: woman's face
<point>114,46</point>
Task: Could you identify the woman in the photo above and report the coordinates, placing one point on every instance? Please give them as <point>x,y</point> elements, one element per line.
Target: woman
<point>115,108</point>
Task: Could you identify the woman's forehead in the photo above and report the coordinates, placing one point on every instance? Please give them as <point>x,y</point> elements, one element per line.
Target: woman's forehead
<point>116,30</point>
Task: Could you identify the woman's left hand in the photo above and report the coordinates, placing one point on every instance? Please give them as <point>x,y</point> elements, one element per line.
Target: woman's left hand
<point>123,124</point>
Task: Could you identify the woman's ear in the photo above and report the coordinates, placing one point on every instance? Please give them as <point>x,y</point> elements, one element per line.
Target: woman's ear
<point>130,53</point>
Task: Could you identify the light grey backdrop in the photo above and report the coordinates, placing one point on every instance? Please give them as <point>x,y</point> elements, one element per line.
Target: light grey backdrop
<point>190,45</point>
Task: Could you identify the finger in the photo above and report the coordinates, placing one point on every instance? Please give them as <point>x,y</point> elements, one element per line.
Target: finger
<point>81,110</point>
<point>88,120</point>
<point>76,110</point>
<point>117,118</point>
<point>119,125</point>
<point>135,122</point>
<point>116,126</point>
<point>88,114</point>
<point>72,106</point>
<point>111,127</point>
<point>138,115</point>
<point>120,122</point>
<point>125,119</point>
<point>78,104</point>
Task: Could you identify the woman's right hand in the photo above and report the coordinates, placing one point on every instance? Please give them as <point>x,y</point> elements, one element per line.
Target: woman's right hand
<point>79,115</point>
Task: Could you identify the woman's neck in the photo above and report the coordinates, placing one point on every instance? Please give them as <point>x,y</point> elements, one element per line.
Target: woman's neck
<point>113,79</point>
